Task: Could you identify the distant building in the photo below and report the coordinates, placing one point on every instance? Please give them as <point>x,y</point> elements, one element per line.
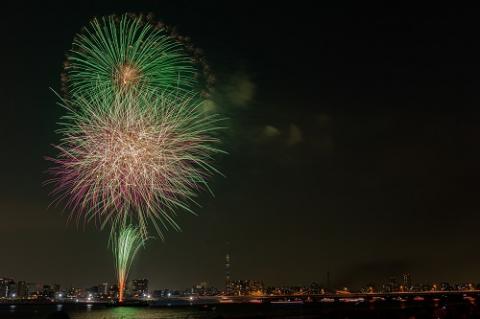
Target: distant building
<point>104,288</point>
<point>74,293</point>
<point>407,281</point>
<point>93,291</point>
<point>247,287</point>
<point>56,288</point>
<point>168,293</point>
<point>113,291</point>
<point>199,289</point>
<point>314,289</point>
<point>139,287</point>
<point>391,285</point>
<point>445,286</point>
<point>34,290</point>
<point>7,286</point>
<point>163,293</point>
<point>22,289</point>
<point>47,292</point>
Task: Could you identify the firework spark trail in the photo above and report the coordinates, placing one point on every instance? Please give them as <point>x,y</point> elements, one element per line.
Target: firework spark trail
<point>135,158</point>
<point>117,54</point>
<point>125,246</point>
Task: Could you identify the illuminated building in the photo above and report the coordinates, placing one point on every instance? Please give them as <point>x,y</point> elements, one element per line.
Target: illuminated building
<point>247,287</point>
<point>104,288</point>
<point>228,283</point>
<point>22,289</point>
<point>34,290</point>
<point>6,287</point>
<point>47,292</point>
<point>407,281</point>
<point>139,287</point>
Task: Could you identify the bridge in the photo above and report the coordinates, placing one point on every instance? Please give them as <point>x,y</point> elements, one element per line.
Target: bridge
<point>327,297</point>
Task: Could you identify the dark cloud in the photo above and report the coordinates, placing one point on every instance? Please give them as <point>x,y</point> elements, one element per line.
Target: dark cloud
<point>239,89</point>
<point>295,135</point>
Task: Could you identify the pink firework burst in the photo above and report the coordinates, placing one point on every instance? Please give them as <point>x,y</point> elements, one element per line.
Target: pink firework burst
<point>134,158</point>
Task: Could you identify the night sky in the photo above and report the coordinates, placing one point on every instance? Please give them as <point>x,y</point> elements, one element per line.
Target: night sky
<point>353,140</point>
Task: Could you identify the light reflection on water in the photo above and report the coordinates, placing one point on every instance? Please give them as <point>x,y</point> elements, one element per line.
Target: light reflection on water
<point>12,308</point>
<point>90,311</point>
<point>394,309</point>
<point>138,313</point>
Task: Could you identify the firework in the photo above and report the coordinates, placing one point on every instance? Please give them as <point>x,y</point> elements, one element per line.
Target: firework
<point>135,159</point>
<point>127,53</point>
<point>136,144</point>
<point>125,246</point>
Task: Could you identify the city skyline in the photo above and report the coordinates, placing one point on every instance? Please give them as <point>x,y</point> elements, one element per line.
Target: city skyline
<point>12,288</point>
<point>352,140</point>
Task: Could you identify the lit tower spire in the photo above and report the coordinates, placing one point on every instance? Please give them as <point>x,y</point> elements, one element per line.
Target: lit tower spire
<point>227,270</point>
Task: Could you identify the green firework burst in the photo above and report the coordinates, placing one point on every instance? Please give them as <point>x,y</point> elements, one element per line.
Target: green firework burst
<point>116,54</point>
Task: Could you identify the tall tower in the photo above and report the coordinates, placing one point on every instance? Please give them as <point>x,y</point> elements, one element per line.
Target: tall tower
<point>328,281</point>
<point>227,271</point>
<point>407,281</point>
